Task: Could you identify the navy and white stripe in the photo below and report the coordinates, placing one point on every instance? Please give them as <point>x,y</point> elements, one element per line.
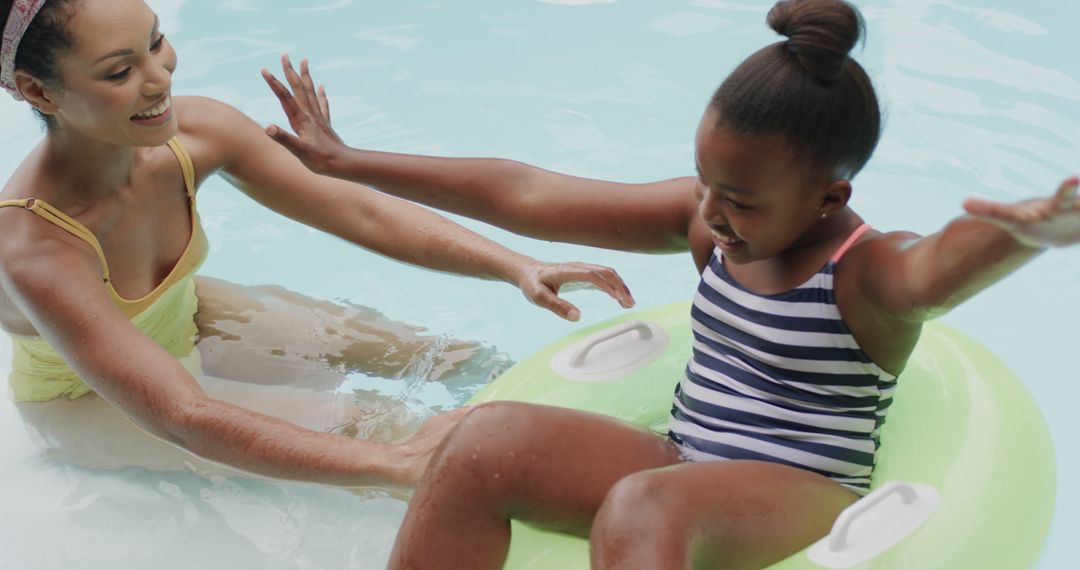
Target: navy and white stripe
<point>779,378</point>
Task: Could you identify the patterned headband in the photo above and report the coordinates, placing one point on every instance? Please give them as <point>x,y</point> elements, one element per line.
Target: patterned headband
<point>22,13</point>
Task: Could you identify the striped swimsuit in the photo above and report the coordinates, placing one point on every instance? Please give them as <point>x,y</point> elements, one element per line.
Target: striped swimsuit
<point>779,378</point>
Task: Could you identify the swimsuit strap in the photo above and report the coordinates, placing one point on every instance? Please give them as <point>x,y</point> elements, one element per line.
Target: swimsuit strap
<point>855,235</point>
<point>187,168</point>
<point>73,227</point>
<point>64,222</point>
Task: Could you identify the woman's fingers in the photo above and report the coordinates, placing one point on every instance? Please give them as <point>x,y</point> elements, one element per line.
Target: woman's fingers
<point>549,300</point>
<point>552,278</point>
<point>603,278</point>
<point>616,286</point>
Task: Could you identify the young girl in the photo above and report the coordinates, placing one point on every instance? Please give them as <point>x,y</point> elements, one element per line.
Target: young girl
<point>803,320</point>
<point>102,240</point>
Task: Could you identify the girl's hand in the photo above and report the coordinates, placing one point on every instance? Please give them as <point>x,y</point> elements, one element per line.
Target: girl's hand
<point>1043,222</point>
<point>315,143</point>
<point>541,283</point>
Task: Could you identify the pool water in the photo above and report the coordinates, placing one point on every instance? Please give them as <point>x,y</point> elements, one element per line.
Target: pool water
<point>981,98</point>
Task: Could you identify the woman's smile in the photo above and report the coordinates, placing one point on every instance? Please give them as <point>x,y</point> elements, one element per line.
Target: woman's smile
<point>155,116</point>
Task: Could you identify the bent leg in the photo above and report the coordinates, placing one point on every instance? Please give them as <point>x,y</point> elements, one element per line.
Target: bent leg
<point>269,335</point>
<point>735,515</point>
<point>548,466</point>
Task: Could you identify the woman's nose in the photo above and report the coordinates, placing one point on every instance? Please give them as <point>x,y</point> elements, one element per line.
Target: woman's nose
<point>158,81</point>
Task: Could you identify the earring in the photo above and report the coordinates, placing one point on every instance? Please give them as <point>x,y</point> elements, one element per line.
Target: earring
<point>824,214</point>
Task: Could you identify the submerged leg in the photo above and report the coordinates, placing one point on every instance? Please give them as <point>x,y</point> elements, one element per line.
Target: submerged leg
<point>734,515</point>
<point>549,466</point>
<point>268,335</point>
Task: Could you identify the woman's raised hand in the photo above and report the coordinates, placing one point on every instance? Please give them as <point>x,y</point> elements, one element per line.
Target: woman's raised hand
<point>1042,222</point>
<point>541,283</point>
<point>315,142</point>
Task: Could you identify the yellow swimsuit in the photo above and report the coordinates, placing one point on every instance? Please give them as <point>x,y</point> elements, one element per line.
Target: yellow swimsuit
<point>166,314</point>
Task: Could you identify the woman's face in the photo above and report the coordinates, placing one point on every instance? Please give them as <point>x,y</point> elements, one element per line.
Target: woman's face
<point>756,196</point>
<point>117,77</point>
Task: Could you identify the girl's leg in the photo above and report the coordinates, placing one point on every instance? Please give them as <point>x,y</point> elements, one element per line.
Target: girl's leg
<point>733,515</point>
<point>269,335</point>
<point>548,466</point>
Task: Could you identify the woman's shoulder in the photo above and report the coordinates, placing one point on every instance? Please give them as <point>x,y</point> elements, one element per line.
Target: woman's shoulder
<point>32,254</point>
<point>212,131</point>
<point>208,117</point>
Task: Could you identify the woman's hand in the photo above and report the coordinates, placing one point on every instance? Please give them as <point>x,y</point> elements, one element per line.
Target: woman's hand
<point>1040,223</point>
<point>541,283</point>
<point>316,143</point>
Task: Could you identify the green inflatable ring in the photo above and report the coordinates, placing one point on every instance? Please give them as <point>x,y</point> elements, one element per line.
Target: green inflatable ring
<point>961,422</point>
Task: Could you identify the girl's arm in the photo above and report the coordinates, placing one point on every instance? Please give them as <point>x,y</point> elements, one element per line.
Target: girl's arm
<point>521,198</point>
<point>77,317</point>
<point>918,279</point>
<point>389,226</point>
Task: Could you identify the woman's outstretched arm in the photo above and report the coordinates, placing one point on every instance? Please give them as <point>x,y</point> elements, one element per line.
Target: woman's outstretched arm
<point>530,201</point>
<point>122,365</point>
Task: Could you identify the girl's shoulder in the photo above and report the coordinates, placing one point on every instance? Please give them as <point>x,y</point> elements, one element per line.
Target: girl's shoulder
<point>876,248</point>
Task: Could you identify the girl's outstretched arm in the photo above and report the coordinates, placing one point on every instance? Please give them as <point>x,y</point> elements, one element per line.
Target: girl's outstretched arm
<point>924,278</point>
<point>521,198</point>
<point>384,224</point>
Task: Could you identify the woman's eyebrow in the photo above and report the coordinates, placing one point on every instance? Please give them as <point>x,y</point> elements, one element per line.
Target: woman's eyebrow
<point>129,51</point>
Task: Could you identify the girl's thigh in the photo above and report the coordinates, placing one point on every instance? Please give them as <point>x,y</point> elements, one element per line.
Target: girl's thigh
<point>716,514</point>
<point>546,465</point>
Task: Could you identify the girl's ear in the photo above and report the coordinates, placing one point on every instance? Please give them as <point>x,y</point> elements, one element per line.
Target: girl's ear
<point>836,196</point>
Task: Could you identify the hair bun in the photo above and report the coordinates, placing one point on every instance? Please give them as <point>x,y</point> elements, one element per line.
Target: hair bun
<point>820,33</point>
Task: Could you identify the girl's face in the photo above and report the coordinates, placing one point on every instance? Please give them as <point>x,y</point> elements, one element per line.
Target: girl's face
<point>757,197</point>
<point>117,78</point>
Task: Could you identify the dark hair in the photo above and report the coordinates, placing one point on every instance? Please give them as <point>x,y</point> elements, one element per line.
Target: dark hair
<point>45,41</point>
<point>807,89</point>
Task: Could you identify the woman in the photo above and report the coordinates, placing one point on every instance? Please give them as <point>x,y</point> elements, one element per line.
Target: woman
<point>803,320</point>
<point>102,240</point>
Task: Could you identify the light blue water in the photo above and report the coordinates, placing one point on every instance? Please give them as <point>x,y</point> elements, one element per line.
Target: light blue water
<point>982,98</point>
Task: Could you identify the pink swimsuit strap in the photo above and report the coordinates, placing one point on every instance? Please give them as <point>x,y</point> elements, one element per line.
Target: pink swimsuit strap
<point>855,235</point>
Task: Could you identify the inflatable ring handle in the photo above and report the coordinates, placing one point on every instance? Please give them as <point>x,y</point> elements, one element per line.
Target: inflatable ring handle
<point>578,358</point>
<point>838,538</point>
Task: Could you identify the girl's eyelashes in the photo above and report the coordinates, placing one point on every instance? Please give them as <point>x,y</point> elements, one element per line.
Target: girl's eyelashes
<point>737,205</point>
<point>119,76</point>
<point>158,43</point>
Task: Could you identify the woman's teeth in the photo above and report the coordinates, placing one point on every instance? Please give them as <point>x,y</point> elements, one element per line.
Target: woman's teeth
<point>156,111</point>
